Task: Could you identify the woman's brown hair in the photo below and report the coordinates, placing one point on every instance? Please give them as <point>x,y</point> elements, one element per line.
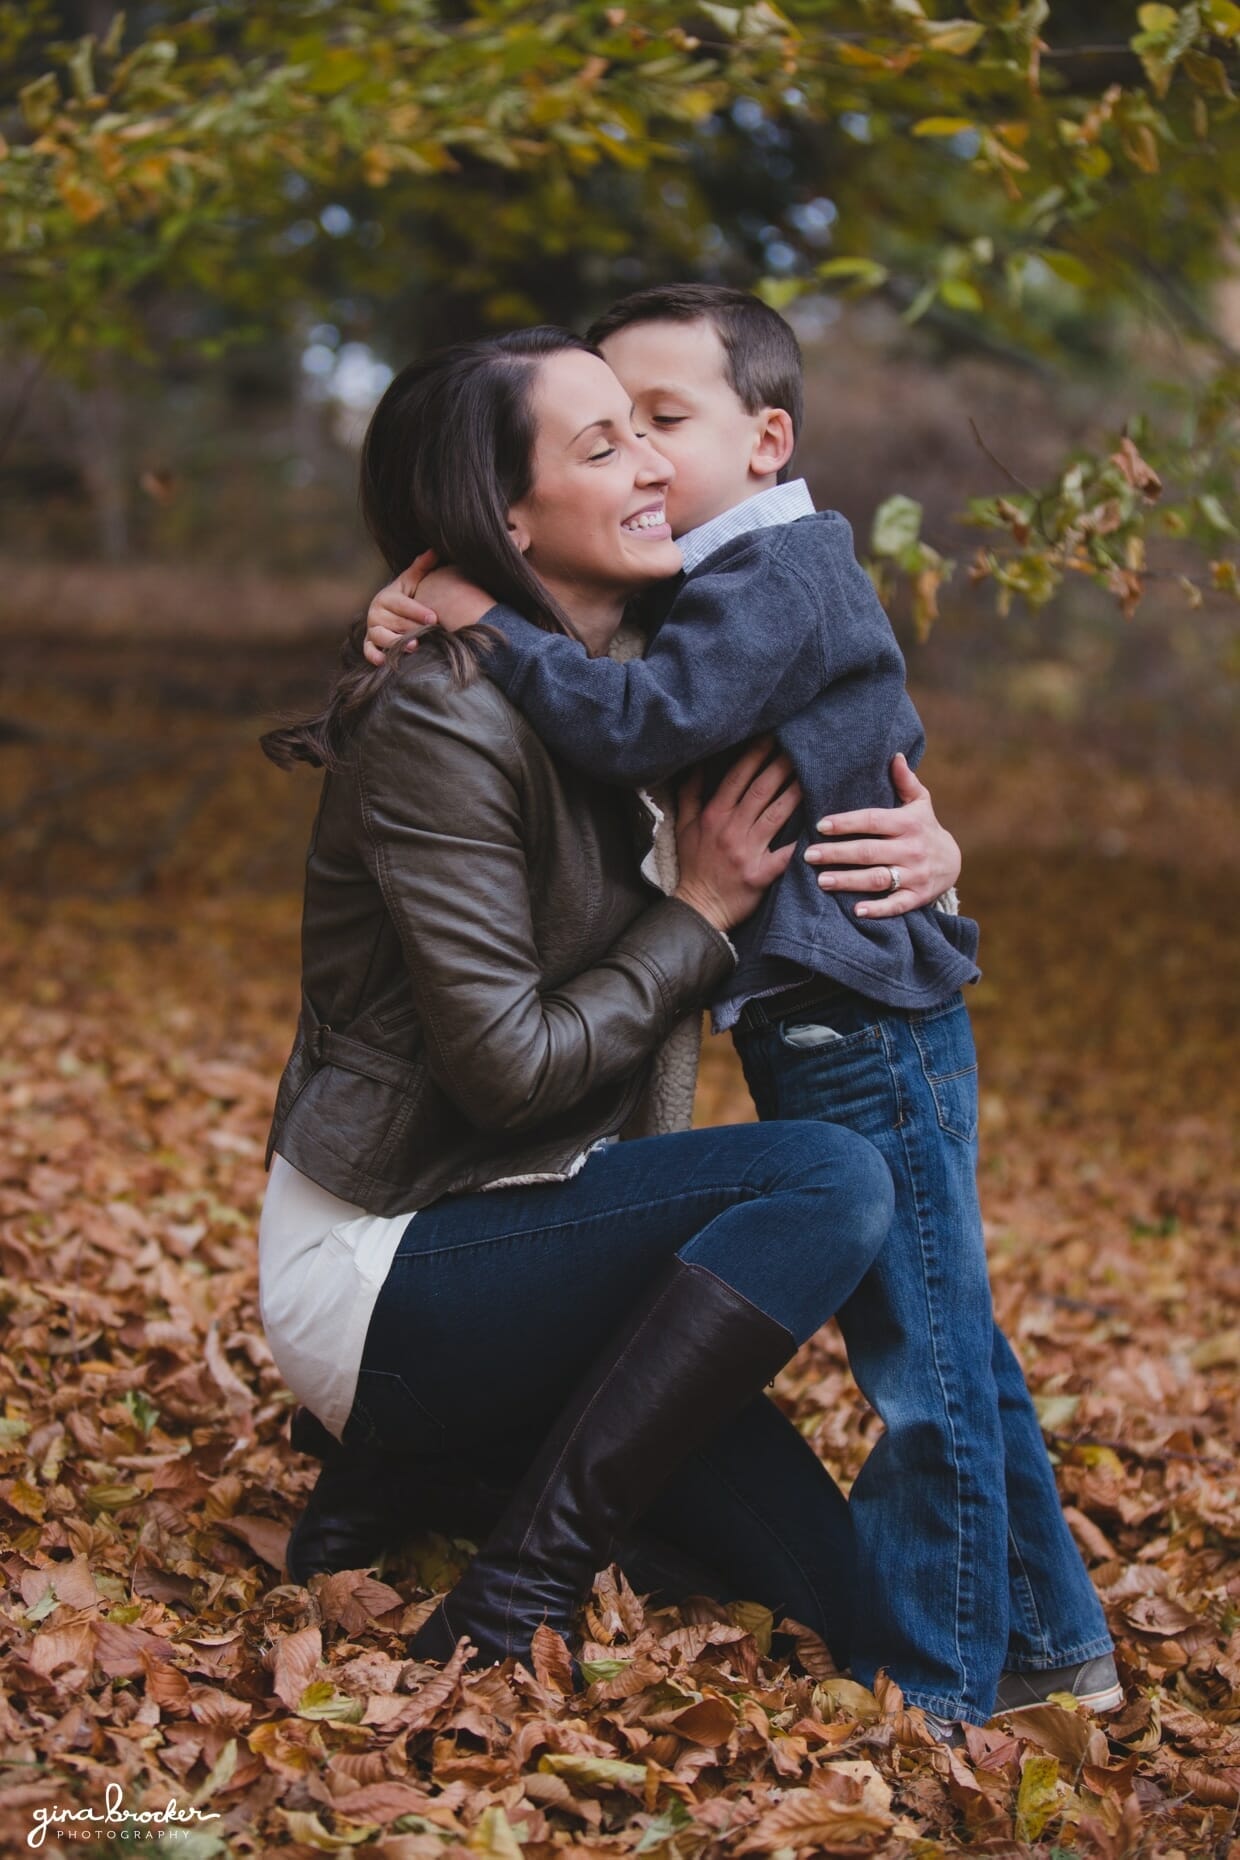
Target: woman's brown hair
<point>448,451</point>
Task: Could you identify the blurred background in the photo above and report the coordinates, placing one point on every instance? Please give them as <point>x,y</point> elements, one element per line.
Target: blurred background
<point>1006,242</point>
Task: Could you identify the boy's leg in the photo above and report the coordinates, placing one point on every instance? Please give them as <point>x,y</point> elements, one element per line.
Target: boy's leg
<point>1056,1617</point>
<point>928,1507</point>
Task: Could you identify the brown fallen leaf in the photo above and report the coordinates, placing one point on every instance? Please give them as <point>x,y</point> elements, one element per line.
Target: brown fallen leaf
<point>295,1660</point>
<point>263,1535</point>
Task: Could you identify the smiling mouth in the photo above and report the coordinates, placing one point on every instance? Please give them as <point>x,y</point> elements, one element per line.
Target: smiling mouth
<point>646,520</point>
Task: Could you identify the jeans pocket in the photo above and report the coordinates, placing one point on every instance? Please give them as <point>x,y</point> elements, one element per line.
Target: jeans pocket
<point>944,1042</point>
<point>808,1034</point>
<point>846,1080</point>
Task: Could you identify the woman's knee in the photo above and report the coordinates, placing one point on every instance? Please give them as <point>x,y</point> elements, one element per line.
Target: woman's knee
<point>830,1159</point>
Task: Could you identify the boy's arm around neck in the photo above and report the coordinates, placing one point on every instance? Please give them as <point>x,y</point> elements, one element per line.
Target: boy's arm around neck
<point>740,652</point>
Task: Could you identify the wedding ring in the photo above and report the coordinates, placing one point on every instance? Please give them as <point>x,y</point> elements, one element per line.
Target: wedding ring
<point>895,879</point>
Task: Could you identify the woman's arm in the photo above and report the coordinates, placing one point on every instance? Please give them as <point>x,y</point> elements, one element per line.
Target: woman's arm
<point>443,781</point>
<point>907,840</point>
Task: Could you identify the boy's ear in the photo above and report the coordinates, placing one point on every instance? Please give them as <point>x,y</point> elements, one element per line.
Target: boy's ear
<point>773,443</point>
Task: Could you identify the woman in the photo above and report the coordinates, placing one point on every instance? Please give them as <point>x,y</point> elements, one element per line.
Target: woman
<point>457,1263</point>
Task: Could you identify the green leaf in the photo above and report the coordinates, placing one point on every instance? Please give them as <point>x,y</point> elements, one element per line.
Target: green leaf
<point>1159,19</point>
<point>867,273</point>
<point>1223,17</point>
<point>959,294</point>
<point>593,1670</point>
<point>1215,515</point>
<point>897,523</point>
<point>81,66</point>
<point>779,292</point>
<point>39,100</point>
<point>665,1827</point>
<point>1067,266</point>
<point>144,1412</point>
<point>727,18</point>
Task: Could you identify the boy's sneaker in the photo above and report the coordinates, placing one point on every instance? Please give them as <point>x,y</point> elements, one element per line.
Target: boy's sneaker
<point>947,1731</point>
<point>1095,1683</point>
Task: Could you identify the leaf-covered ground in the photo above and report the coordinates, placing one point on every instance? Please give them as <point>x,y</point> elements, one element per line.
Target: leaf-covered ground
<point>147,1638</point>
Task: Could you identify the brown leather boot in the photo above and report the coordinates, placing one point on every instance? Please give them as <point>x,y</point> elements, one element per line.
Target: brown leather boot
<point>688,1356</point>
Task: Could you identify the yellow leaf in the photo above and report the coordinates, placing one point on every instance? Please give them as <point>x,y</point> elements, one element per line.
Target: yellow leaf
<point>845,1695</point>
<point>942,125</point>
<point>111,1497</point>
<point>493,1837</point>
<point>322,1700</point>
<point>1141,148</point>
<point>596,1772</point>
<point>308,1829</point>
<point>84,202</point>
<point>955,36</point>
<point>1037,1799</point>
<point>756,1619</point>
<point>26,1499</point>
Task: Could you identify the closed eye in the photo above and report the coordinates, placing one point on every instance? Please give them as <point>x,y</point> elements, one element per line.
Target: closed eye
<point>594,458</point>
<point>669,419</point>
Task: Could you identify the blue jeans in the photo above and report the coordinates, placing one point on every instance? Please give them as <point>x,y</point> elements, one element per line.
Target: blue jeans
<point>496,1303</point>
<point>965,1563</point>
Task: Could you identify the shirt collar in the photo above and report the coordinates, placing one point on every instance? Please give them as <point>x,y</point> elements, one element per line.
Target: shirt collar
<point>783,503</point>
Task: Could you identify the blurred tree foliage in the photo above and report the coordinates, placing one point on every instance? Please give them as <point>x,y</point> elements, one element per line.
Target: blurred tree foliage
<point>1052,183</point>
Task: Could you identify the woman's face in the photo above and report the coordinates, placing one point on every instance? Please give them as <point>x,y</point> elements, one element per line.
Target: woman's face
<point>593,524</point>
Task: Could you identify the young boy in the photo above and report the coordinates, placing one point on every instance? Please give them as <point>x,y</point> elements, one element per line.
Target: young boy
<point>971,1591</point>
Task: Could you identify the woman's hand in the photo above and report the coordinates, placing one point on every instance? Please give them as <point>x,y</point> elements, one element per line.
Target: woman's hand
<point>726,862</point>
<point>424,596</point>
<point>905,842</point>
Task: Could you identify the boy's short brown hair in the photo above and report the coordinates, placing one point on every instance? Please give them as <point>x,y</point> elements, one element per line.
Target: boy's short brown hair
<point>762,357</point>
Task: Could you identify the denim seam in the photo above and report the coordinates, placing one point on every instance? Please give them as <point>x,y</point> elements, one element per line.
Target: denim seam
<point>1028,1595</point>
<point>932,1331</point>
<point>592,1220</point>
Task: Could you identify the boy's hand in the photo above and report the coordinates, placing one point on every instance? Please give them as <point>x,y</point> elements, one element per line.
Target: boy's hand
<point>444,598</point>
<point>396,614</point>
<point>882,842</point>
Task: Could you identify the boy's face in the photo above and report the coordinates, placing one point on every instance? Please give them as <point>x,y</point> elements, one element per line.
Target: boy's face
<point>674,374</point>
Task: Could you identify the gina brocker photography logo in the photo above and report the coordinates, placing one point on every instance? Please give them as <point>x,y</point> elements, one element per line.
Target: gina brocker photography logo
<point>127,1827</point>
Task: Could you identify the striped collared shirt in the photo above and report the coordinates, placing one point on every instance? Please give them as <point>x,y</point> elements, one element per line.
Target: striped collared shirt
<point>783,503</point>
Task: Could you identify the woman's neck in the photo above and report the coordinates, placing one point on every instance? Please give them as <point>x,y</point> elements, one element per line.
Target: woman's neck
<point>595,615</point>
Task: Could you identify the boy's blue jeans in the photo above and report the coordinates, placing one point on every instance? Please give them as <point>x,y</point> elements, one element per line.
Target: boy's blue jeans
<point>966,1564</point>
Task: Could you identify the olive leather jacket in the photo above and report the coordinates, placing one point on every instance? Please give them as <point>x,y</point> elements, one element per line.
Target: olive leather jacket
<point>485,974</point>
